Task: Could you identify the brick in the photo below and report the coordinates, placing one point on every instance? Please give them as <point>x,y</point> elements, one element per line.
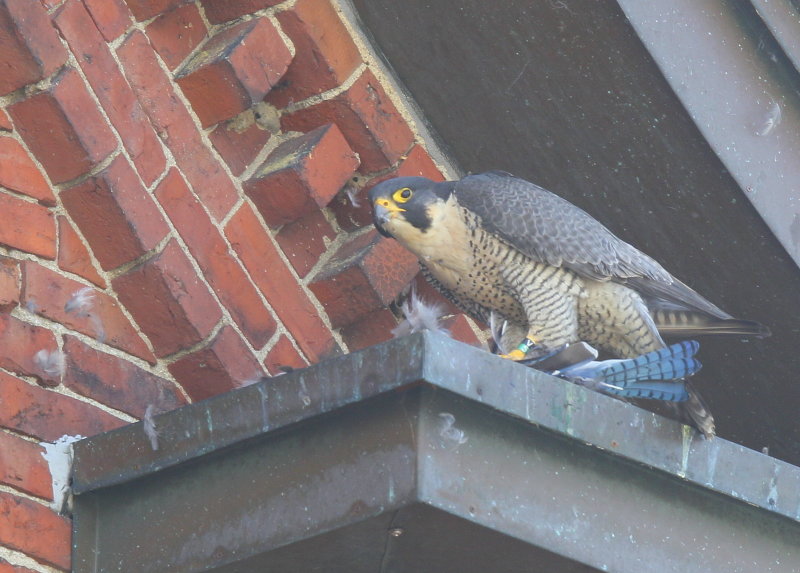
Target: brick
<point>233,70</point>
<point>28,227</point>
<point>305,240</point>
<point>114,93</point>
<point>368,119</point>
<point>116,382</point>
<point>223,365</point>
<point>418,164</point>
<point>54,297</point>
<point>21,342</point>
<point>218,12</point>
<point>239,142</point>
<point>370,329</point>
<point>116,215</point>
<point>301,175</point>
<point>23,467</point>
<point>6,567</point>
<point>220,268</point>
<point>175,127</point>
<point>35,530</point>
<point>325,54</point>
<point>146,9</point>
<point>168,301</point>
<point>73,256</point>
<point>63,128</point>
<point>48,415</point>
<point>260,257</point>
<point>9,284</point>
<point>5,121</point>
<point>176,33</point>
<point>31,48</point>
<point>364,274</point>
<point>460,329</point>
<point>350,217</point>
<point>111,17</point>
<point>19,173</point>
<point>283,355</point>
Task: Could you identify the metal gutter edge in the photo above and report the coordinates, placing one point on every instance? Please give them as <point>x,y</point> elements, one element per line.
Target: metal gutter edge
<point>783,20</point>
<point>741,87</point>
<point>571,411</point>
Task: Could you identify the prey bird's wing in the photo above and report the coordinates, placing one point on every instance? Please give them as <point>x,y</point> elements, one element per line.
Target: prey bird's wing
<point>549,229</point>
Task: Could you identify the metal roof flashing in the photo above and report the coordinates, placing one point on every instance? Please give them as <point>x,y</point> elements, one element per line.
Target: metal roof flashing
<point>734,66</point>
<point>423,453</point>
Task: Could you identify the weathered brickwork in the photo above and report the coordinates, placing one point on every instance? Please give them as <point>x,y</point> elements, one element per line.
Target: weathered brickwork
<point>183,211</point>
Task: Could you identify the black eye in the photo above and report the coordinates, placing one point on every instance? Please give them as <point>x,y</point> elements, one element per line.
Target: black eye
<point>402,195</point>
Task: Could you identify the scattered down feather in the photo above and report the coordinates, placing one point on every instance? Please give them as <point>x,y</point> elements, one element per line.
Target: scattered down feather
<point>51,363</point>
<point>81,301</point>
<point>419,315</point>
<point>149,426</point>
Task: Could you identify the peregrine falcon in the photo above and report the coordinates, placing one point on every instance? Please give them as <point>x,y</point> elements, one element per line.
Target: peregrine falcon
<point>495,243</point>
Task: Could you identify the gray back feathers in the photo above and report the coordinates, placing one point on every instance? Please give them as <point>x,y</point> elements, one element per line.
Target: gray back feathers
<point>551,230</point>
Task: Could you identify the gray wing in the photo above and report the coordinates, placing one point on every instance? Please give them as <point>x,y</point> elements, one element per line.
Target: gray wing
<point>551,230</point>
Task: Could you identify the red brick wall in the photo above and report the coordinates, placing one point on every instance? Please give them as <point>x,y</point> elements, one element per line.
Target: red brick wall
<point>175,218</point>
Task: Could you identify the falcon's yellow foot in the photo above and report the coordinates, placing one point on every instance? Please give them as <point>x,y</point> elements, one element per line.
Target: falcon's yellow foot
<point>515,354</point>
<point>520,351</point>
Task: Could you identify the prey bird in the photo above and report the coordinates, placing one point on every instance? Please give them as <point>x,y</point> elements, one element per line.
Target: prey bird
<point>657,375</point>
<point>493,242</point>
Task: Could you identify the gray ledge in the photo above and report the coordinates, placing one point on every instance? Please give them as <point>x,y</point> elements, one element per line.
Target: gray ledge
<point>734,67</point>
<point>424,454</point>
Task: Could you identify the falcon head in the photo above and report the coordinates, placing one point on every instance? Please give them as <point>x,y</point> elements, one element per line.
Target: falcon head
<point>406,204</point>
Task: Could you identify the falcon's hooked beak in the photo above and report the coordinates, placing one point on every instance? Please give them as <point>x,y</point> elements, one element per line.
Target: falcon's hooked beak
<point>384,210</point>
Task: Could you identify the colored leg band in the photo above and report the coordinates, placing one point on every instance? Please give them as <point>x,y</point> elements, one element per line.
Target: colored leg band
<point>526,345</point>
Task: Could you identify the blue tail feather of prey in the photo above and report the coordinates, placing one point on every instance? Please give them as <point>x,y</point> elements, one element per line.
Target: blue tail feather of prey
<point>656,375</point>
<point>674,391</point>
<point>676,361</point>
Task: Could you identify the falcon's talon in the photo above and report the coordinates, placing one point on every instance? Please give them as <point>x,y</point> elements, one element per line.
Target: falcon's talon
<point>496,244</point>
<point>514,355</point>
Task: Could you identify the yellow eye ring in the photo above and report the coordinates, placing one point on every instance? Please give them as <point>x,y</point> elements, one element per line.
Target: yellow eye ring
<point>402,195</point>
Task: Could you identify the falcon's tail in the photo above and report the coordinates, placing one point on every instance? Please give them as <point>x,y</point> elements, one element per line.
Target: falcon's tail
<point>694,412</point>
<point>656,375</point>
<point>672,322</point>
